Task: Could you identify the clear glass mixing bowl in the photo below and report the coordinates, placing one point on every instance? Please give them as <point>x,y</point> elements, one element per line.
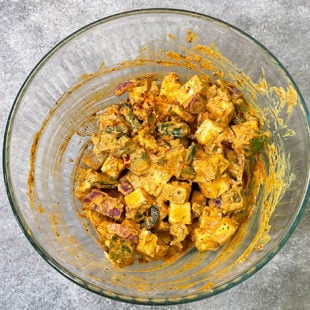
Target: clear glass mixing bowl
<point>51,222</point>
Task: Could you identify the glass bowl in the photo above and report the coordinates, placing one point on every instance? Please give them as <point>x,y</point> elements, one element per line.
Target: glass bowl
<point>51,119</point>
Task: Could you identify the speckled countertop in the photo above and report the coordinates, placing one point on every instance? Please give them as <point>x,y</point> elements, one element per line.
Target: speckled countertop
<point>29,29</point>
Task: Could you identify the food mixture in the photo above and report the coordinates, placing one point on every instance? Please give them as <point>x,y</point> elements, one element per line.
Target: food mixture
<point>170,168</point>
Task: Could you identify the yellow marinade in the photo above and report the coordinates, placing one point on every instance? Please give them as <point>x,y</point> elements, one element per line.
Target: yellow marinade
<point>170,168</point>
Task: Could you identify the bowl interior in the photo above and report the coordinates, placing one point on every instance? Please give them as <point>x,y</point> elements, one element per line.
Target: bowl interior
<point>52,118</point>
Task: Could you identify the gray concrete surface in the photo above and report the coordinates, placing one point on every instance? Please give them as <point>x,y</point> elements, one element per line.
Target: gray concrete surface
<point>29,29</point>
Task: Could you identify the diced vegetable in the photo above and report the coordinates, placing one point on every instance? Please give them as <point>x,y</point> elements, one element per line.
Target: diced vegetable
<point>135,180</point>
<point>180,213</point>
<point>108,142</point>
<point>214,230</point>
<point>173,129</point>
<point>113,166</point>
<point>204,242</point>
<point>127,230</point>
<point>125,86</point>
<point>89,179</point>
<point>151,220</point>
<point>169,86</point>
<point>138,199</point>
<point>125,187</point>
<point>233,199</point>
<point>137,93</point>
<point>117,130</point>
<point>176,192</point>
<point>139,161</point>
<point>208,131</point>
<point>224,230</point>
<point>104,204</point>
<point>215,188</point>
<point>191,153</point>
<point>171,166</point>
<point>156,180</point>
<point>187,173</point>
<point>147,243</point>
<point>250,140</point>
<point>186,116</point>
<point>221,107</point>
<point>179,233</point>
<point>146,140</point>
<point>94,217</point>
<point>110,117</point>
<point>236,164</point>
<point>198,202</point>
<point>120,252</point>
<point>191,94</point>
<point>129,117</point>
<point>209,167</point>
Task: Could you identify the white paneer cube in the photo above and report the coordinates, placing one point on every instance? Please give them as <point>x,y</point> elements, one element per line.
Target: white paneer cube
<point>169,86</point>
<point>176,192</point>
<point>190,95</point>
<point>137,199</point>
<point>208,131</point>
<point>215,188</point>
<point>156,180</point>
<point>225,230</point>
<point>203,240</point>
<point>180,213</point>
<point>147,243</point>
<point>113,166</point>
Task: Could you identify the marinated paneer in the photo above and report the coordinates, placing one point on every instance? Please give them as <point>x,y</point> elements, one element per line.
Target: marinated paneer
<point>169,168</point>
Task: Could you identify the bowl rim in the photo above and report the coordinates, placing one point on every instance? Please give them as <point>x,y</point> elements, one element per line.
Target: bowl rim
<point>68,274</point>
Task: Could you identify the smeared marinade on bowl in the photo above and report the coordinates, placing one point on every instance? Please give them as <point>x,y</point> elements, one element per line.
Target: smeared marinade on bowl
<point>268,170</point>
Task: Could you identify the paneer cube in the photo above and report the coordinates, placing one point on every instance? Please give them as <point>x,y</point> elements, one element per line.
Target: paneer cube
<point>221,107</point>
<point>135,180</point>
<point>203,240</point>
<point>180,111</point>
<point>215,188</point>
<point>214,230</point>
<point>156,180</point>
<point>176,192</point>
<point>137,203</point>
<point>109,117</point>
<point>138,199</point>
<point>113,166</point>
<point>174,160</point>
<point>224,230</point>
<point>147,243</point>
<point>208,131</point>
<point>170,84</point>
<point>191,94</point>
<point>144,139</point>
<point>137,93</point>
<point>209,167</point>
<point>180,213</point>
